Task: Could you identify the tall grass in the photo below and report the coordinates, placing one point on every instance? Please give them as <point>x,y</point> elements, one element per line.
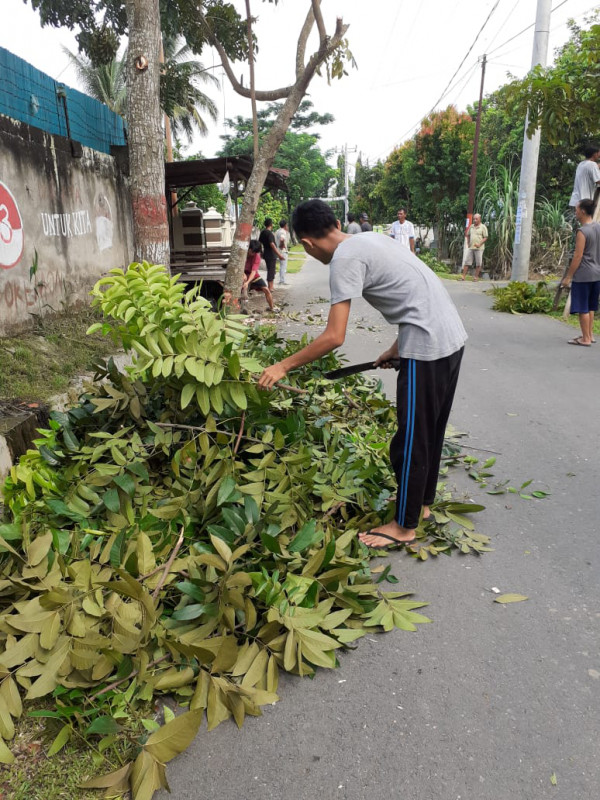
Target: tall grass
<point>551,237</point>
<point>497,201</point>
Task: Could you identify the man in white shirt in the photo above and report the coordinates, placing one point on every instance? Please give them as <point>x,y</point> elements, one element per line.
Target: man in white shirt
<point>403,231</point>
<point>281,240</point>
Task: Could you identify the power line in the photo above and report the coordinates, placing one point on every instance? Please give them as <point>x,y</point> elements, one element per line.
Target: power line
<point>512,38</point>
<point>509,15</point>
<point>463,81</point>
<point>468,53</point>
<point>449,87</point>
<point>555,28</point>
<point>385,49</point>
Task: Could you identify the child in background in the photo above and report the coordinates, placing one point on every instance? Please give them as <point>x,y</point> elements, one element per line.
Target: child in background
<point>252,279</point>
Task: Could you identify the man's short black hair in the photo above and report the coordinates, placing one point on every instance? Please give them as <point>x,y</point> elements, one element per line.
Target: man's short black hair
<point>590,149</point>
<point>587,206</point>
<point>313,218</point>
<point>351,217</point>
<point>268,222</point>
<point>282,222</point>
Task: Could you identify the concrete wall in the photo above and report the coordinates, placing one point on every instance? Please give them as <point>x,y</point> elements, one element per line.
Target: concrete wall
<point>74,211</point>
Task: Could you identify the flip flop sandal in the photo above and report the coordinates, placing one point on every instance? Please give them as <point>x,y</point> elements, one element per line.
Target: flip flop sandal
<point>578,341</point>
<point>393,542</point>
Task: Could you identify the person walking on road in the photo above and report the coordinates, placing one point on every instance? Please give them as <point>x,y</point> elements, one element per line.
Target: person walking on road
<point>353,226</point>
<point>281,240</point>
<point>403,231</point>
<point>270,251</point>
<point>429,346</point>
<point>365,225</point>
<point>583,275</point>
<point>476,237</point>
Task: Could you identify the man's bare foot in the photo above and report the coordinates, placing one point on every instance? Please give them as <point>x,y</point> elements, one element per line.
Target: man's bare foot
<point>391,531</point>
<point>426,513</point>
<point>462,277</point>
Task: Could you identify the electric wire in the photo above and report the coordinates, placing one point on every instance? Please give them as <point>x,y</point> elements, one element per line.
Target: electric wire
<point>501,28</point>
<point>495,6</point>
<point>512,38</point>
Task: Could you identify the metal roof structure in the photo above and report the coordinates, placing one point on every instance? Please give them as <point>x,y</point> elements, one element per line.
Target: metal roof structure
<point>204,171</point>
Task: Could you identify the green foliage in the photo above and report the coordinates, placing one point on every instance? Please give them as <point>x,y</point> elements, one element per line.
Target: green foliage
<point>430,174</point>
<point>179,531</point>
<point>299,152</point>
<point>270,206</point>
<point>522,298</point>
<point>365,193</point>
<point>181,98</point>
<point>434,263</point>
<point>205,196</point>
<point>99,24</point>
<point>497,203</point>
<point>105,82</point>
<point>563,99</point>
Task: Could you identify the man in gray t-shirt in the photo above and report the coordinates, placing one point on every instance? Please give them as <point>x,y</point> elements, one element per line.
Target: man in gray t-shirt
<point>353,226</point>
<point>429,347</point>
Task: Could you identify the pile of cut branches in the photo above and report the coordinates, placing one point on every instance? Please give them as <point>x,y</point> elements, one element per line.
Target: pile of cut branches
<point>179,531</point>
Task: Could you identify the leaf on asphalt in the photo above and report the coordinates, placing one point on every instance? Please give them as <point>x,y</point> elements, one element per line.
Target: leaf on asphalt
<point>510,598</point>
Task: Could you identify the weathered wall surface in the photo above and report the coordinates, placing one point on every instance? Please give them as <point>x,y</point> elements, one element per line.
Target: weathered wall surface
<point>74,212</point>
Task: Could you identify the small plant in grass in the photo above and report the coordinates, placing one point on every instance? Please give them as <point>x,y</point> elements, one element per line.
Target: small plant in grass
<point>178,531</point>
<point>434,263</point>
<point>523,298</point>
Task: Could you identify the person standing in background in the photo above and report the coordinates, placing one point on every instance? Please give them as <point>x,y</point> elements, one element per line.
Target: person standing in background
<point>476,237</point>
<point>270,251</point>
<point>587,176</point>
<point>353,226</point>
<point>583,275</point>
<point>364,223</point>
<point>403,231</point>
<point>281,241</point>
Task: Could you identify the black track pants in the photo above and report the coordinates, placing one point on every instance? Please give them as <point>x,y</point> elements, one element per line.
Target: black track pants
<point>423,403</point>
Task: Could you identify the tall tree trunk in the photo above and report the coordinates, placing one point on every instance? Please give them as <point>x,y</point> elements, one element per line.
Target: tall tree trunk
<point>266,155</point>
<point>146,141</point>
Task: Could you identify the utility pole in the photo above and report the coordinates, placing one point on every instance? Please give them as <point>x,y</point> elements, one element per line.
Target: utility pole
<point>345,152</point>
<point>473,178</point>
<point>529,162</point>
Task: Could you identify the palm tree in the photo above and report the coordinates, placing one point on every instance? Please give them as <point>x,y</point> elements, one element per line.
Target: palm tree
<point>105,83</point>
<point>180,96</point>
<point>181,99</point>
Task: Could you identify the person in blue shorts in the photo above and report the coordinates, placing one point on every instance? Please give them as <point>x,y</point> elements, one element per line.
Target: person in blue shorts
<point>583,275</point>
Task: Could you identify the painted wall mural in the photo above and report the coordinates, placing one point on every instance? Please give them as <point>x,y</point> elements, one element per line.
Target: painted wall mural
<point>11,229</point>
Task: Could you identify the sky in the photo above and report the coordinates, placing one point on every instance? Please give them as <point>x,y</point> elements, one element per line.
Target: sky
<point>408,61</point>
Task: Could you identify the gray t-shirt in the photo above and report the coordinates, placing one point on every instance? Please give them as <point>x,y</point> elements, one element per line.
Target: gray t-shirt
<point>589,268</point>
<point>404,289</point>
<point>354,227</point>
<point>587,175</point>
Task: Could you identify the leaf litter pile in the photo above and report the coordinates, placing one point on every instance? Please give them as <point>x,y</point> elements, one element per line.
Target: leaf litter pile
<point>180,532</point>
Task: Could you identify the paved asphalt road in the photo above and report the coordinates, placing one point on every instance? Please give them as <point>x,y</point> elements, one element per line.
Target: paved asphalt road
<point>490,701</point>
